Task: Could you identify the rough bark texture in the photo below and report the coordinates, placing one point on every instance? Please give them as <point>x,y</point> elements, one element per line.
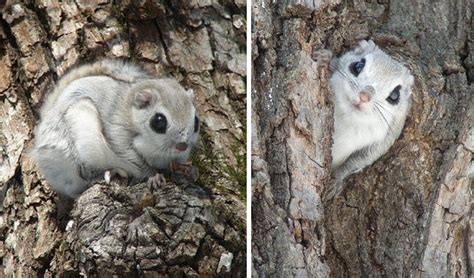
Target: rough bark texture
<point>409,214</point>
<point>179,229</point>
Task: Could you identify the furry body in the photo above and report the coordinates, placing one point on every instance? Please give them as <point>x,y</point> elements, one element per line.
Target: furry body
<point>98,119</point>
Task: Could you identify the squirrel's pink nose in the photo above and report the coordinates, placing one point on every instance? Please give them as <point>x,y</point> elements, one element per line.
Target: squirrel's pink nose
<point>364,96</point>
<point>181,146</point>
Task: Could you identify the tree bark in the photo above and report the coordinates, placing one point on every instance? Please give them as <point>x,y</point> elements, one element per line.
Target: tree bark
<point>410,213</point>
<point>179,229</point>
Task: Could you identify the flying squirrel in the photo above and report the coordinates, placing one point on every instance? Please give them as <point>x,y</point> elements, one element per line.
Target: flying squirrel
<point>371,93</point>
<point>112,117</point>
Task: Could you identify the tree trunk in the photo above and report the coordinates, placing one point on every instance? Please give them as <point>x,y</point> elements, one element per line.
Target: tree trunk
<point>410,213</point>
<point>179,229</point>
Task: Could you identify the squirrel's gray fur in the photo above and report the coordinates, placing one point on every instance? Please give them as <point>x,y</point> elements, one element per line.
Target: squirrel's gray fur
<point>366,123</point>
<point>97,119</point>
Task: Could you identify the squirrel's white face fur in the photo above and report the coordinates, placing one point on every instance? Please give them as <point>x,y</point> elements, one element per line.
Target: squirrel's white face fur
<point>165,133</point>
<point>371,95</point>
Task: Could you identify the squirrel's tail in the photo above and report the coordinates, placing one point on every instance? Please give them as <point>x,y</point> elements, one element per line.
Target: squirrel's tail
<point>118,69</point>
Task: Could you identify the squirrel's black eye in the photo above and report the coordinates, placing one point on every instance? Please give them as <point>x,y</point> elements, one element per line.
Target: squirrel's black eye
<point>158,123</point>
<point>357,67</point>
<point>196,124</point>
<point>394,96</point>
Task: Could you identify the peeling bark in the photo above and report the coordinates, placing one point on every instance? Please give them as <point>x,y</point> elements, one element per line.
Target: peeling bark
<point>410,213</point>
<point>180,229</point>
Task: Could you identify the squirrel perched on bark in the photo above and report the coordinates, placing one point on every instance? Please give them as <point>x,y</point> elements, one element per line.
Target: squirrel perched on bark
<point>110,116</point>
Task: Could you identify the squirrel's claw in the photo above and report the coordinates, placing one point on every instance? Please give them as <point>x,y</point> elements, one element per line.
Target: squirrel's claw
<point>156,181</point>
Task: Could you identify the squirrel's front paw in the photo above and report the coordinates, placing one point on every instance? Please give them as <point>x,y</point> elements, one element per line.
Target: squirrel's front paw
<point>188,170</point>
<point>108,175</point>
<point>156,181</point>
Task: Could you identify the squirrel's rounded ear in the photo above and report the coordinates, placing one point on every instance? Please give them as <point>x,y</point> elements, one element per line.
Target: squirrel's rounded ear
<point>371,44</point>
<point>142,98</point>
<point>190,93</point>
<point>365,46</point>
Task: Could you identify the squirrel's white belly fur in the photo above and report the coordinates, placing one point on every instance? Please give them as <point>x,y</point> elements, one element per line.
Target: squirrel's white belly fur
<point>349,138</point>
